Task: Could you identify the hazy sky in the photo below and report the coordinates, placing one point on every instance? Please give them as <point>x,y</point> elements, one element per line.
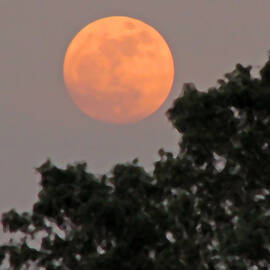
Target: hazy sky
<point>38,118</point>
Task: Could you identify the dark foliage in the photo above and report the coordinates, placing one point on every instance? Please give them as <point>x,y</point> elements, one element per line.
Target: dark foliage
<point>206,208</point>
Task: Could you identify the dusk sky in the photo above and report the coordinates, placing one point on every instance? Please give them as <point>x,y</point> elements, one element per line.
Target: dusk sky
<point>38,118</point>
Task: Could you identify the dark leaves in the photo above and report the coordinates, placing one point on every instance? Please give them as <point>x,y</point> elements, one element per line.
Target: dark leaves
<point>206,208</point>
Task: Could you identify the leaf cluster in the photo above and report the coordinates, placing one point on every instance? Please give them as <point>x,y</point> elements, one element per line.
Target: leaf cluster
<point>206,208</point>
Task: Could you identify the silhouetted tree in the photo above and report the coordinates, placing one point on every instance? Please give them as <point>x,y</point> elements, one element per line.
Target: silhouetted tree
<point>206,208</point>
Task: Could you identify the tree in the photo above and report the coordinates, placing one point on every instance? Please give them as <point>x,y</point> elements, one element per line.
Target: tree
<point>206,208</point>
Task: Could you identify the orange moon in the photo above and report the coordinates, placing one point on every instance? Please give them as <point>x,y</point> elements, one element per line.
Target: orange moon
<point>118,69</point>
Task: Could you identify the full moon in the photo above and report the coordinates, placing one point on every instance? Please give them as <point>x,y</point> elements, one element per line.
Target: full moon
<point>118,70</point>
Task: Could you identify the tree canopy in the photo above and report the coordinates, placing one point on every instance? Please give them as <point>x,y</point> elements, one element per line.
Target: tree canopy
<point>208,207</point>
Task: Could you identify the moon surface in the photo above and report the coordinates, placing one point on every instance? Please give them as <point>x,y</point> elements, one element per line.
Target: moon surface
<point>118,69</point>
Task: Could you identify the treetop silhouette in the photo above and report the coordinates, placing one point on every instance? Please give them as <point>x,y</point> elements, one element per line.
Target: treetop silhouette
<point>206,208</point>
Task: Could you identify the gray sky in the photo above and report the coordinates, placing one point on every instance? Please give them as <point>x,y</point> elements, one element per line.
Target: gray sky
<point>38,118</point>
